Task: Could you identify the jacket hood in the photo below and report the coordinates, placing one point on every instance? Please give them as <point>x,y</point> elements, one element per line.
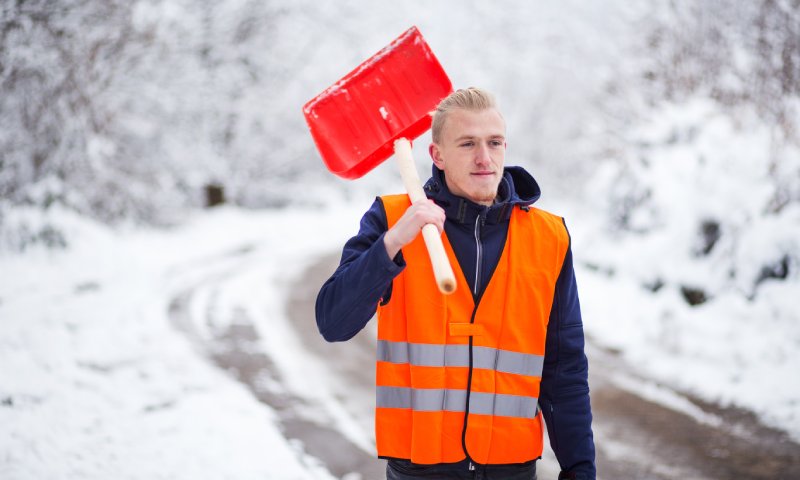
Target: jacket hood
<point>516,188</point>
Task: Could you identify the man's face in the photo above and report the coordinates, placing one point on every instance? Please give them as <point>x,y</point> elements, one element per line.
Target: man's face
<point>471,153</point>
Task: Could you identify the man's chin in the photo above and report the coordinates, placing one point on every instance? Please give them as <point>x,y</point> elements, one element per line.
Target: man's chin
<point>484,198</point>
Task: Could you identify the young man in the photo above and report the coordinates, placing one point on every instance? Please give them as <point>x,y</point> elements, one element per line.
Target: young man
<point>463,381</point>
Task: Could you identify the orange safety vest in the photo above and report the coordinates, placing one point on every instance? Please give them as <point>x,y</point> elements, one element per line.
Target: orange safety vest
<point>443,362</point>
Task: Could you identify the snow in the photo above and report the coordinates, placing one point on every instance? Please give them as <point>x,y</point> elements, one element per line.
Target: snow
<point>739,347</point>
<point>98,383</point>
<point>665,187</point>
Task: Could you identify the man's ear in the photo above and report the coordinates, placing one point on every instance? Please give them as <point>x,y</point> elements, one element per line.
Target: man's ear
<point>436,156</point>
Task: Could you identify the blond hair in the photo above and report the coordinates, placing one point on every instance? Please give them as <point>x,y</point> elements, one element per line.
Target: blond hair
<point>471,98</point>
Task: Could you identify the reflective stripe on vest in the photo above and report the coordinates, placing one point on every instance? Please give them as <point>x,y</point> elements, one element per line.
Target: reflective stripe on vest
<point>430,400</point>
<point>426,355</point>
<point>455,379</point>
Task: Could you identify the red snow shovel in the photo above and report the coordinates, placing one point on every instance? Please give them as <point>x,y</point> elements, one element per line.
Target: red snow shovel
<point>376,110</point>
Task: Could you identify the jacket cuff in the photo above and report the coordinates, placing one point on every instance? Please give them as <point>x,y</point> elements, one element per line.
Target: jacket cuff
<point>392,265</point>
<point>575,475</point>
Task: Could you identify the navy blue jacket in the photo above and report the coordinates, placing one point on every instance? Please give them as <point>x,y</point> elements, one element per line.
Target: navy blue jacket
<point>348,300</point>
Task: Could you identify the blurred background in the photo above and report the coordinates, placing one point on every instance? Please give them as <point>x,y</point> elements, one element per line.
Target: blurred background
<point>127,110</point>
<point>666,132</point>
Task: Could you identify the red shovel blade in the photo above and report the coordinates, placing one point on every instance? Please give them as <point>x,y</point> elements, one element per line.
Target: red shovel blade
<point>355,122</point>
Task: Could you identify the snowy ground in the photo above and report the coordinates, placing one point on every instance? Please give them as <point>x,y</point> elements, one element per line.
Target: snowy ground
<point>98,382</point>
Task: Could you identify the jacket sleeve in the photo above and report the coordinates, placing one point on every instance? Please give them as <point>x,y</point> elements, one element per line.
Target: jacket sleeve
<point>349,298</point>
<point>564,391</point>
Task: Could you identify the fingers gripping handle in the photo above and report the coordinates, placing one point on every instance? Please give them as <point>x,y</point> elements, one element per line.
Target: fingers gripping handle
<point>445,278</point>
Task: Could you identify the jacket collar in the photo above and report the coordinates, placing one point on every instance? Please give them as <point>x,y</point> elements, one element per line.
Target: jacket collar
<point>517,188</point>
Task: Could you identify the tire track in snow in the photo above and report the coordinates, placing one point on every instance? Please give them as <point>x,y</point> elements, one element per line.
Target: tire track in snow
<point>234,346</point>
<point>645,430</point>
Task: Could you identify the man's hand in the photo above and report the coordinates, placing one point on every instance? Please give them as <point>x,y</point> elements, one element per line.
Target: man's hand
<point>408,227</point>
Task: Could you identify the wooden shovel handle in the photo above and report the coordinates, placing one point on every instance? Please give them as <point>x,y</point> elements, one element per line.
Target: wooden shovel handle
<point>442,271</point>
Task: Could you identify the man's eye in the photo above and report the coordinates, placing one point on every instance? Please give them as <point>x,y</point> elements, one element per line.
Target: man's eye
<point>467,144</point>
<point>496,143</point>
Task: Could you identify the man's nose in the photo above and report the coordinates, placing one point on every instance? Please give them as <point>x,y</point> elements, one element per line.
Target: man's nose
<point>482,156</point>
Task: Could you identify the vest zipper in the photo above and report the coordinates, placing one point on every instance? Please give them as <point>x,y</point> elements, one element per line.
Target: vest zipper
<point>476,295</point>
<point>478,256</point>
<point>469,390</point>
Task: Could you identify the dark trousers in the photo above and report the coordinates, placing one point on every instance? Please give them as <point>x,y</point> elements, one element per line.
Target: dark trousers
<point>405,470</point>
